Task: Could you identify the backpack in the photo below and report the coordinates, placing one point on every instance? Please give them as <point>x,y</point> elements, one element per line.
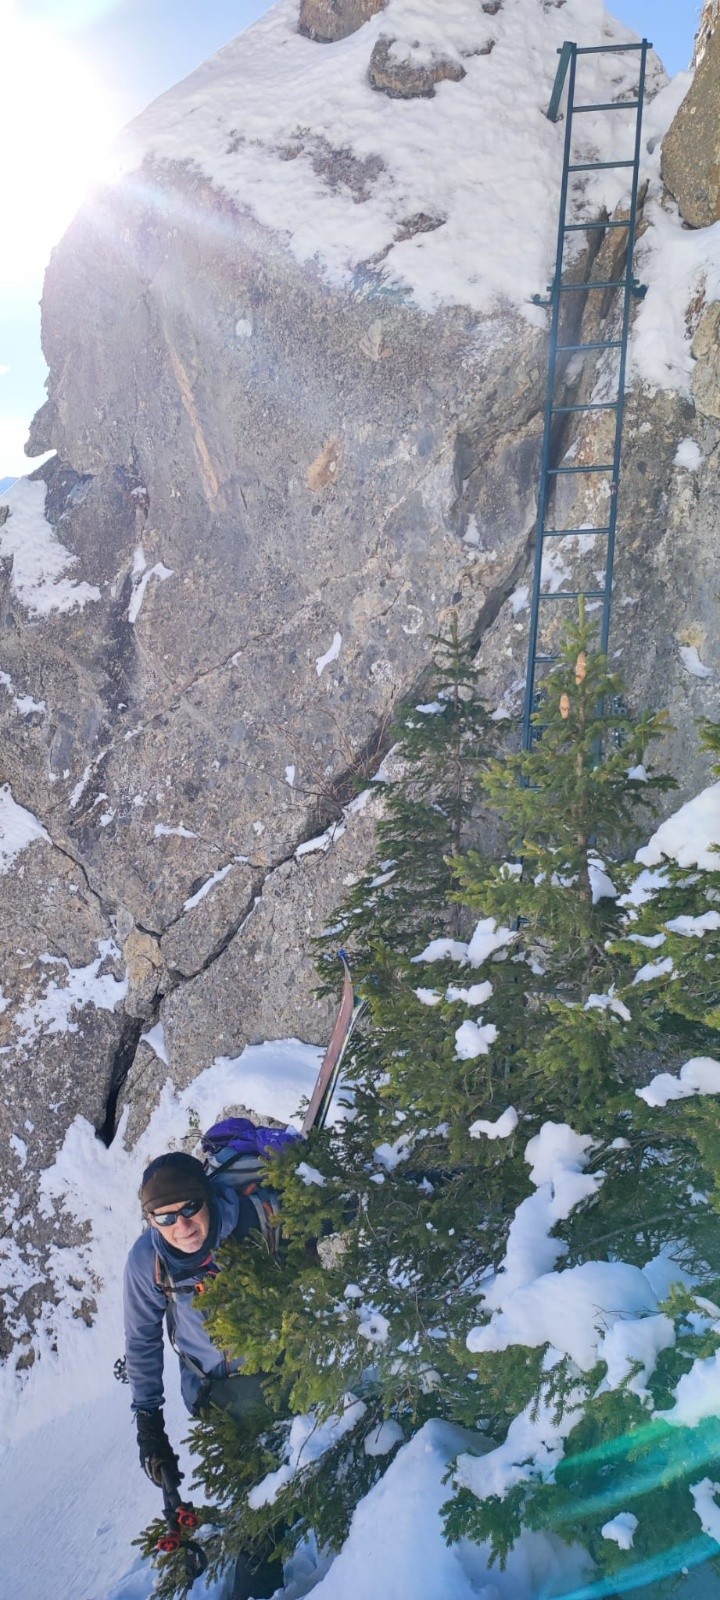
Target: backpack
<point>236,1152</point>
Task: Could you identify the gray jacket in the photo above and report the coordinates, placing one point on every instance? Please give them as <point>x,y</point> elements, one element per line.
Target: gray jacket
<point>145,1305</point>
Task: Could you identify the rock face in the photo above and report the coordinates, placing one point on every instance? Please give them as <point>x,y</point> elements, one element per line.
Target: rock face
<point>293,436</point>
<point>691,148</point>
<point>329,20</point>
<point>708,22</point>
<point>706,350</point>
<point>403,79</point>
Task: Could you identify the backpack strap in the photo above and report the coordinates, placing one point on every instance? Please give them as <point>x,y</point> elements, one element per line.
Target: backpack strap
<point>173,1293</point>
<point>265,1216</point>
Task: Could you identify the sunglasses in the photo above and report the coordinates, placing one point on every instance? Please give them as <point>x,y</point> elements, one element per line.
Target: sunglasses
<point>167,1219</point>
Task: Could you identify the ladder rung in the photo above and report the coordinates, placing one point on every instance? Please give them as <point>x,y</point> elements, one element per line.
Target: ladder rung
<point>608,49</point>
<point>599,344</point>
<point>582,227</point>
<point>589,405</point>
<point>554,472</point>
<point>610,105</point>
<point>597,166</point>
<point>595,283</point>
<point>573,594</point>
<point>543,660</point>
<point>564,533</point>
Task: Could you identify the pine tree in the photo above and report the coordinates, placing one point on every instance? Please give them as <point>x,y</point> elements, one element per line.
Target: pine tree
<point>638,994</point>
<point>571,807</point>
<point>537,1009</point>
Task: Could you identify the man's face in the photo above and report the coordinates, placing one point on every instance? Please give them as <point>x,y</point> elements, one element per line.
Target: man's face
<point>186,1233</point>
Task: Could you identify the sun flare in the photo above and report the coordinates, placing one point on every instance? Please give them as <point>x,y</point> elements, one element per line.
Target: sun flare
<point>57,122</point>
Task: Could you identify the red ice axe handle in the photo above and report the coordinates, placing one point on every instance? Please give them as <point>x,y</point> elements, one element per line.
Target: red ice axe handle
<point>182,1519</point>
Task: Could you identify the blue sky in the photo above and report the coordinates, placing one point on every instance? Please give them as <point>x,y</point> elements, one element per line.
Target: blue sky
<point>136,49</point>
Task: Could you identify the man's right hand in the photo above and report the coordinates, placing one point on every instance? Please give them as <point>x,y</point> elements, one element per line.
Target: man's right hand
<point>156,1452</point>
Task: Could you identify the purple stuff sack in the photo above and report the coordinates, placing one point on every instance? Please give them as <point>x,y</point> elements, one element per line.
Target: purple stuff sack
<point>238,1136</point>
<point>236,1152</point>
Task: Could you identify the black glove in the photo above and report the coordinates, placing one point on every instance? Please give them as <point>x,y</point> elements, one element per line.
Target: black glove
<point>156,1452</point>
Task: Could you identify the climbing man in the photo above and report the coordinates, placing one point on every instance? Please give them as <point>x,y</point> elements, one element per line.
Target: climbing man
<point>188,1214</point>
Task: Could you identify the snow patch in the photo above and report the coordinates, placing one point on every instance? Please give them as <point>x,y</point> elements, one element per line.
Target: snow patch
<point>383,1439</point>
<point>308,1442</point>
<point>39,560</point>
<point>501,1129</point>
<point>694,927</point>
<point>692,663</point>
<point>428,997</point>
<point>209,884</point>
<point>608,1002</point>
<point>322,841</point>
<point>690,836</point>
<point>85,986</point>
<point>621,1529</point>
<point>654,969</point>
<point>155,1038</point>
<point>476,995</point>
<point>569,1310</point>
<point>557,1157</point>
<point>389,1156</point>
<point>474,1039</point>
<point>310,1175</point>
<point>330,655</point>
<point>443,950</point>
<point>141,575</point>
<point>487,939</point>
<point>705,1502</point>
<point>23,703</point>
<point>688,455</point>
<point>700,1075</point>
<point>18,828</point>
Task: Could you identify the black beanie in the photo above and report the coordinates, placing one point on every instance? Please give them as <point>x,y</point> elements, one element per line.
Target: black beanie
<point>173,1177</point>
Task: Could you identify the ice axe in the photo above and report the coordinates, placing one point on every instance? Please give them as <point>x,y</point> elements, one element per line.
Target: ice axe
<point>182,1520</point>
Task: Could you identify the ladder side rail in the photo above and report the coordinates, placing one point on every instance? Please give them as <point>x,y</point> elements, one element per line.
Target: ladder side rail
<point>625,338</point>
<point>570,67</point>
<point>566,54</point>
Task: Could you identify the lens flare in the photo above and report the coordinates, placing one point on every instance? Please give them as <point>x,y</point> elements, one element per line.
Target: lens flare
<point>57,122</point>
<point>656,1456</point>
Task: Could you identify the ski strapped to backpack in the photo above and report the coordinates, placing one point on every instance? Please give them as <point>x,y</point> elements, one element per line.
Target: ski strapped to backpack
<point>351,1008</point>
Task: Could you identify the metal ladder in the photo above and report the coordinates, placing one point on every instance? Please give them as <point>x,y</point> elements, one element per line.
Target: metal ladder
<point>560,353</point>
